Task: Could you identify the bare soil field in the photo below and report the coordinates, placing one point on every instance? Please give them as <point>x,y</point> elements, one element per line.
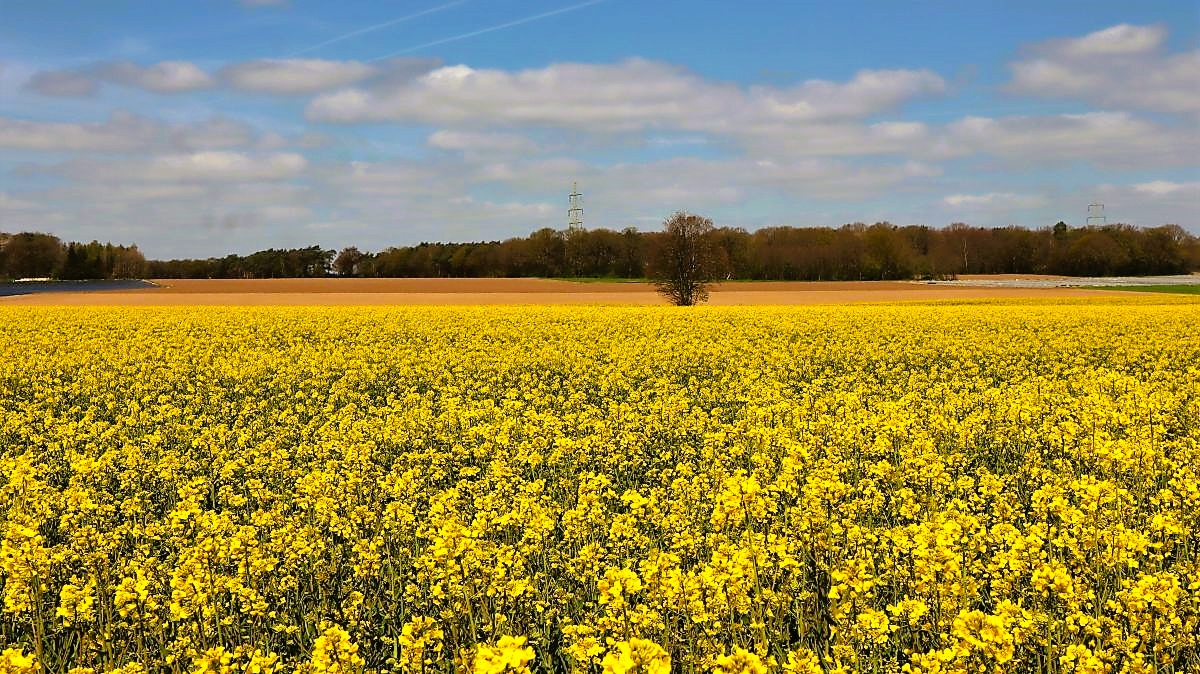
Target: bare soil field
<point>333,291</point>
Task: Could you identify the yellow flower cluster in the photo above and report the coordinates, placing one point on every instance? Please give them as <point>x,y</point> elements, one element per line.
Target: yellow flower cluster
<point>510,654</point>
<point>980,487</point>
<point>636,656</point>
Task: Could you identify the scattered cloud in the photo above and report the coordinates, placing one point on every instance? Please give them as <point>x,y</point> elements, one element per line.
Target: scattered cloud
<point>1151,203</point>
<point>869,92</point>
<point>199,216</point>
<point>671,141</point>
<point>1108,140</point>
<point>214,133</point>
<point>122,132</point>
<point>212,166</point>
<point>476,142</point>
<point>278,77</point>
<point>467,153</point>
<point>996,201</point>
<point>839,139</point>
<point>396,179</point>
<point>126,133</point>
<point>1158,188</point>
<point>294,77</point>
<point>62,83</point>
<point>273,140</point>
<point>1117,40</point>
<point>285,212</point>
<point>631,95</point>
<point>165,77</point>
<point>1124,67</point>
<point>693,180</point>
<point>11,204</point>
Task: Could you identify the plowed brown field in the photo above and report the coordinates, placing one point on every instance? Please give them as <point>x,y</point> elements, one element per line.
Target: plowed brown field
<point>334,291</point>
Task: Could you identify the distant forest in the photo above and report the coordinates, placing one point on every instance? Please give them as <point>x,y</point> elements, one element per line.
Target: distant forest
<point>852,252</point>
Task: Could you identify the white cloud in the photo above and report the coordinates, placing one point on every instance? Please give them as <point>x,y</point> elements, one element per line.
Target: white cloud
<point>870,91</point>
<point>1152,203</point>
<point>487,210</point>
<point>215,133</point>
<point>292,77</point>
<point>165,77</point>
<point>535,173</point>
<point>201,167</point>
<point>399,180</point>
<point>684,181</point>
<point>284,212</point>
<point>125,132</point>
<point>839,139</point>
<point>1109,140</point>
<point>432,199</point>
<point>1122,67</point>
<point>63,83</point>
<point>214,202</point>
<point>467,141</point>
<point>1159,188</point>
<point>995,201</point>
<point>403,201</point>
<point>632,95</point>
<point>273,140</point>
<point>99,194</point>
<point>176,218</point>
<point>779,152</point>
<point>280,77</point>
<point>671,141</point>
<point>12,204</point>
<point>1047,204</point>
<point>1119,39</point>
<point>225,167</point>
<point>122,132</point>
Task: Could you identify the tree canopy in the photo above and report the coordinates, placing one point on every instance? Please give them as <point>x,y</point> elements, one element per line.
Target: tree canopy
<point>685,263</point>
<point>851,252</point>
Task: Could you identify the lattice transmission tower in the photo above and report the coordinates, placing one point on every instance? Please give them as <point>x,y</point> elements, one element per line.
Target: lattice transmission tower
<point>1096,215</point>
<point>575,212</point>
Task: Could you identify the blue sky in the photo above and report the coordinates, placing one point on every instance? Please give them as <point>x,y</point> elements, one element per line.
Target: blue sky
<point>202,128</point>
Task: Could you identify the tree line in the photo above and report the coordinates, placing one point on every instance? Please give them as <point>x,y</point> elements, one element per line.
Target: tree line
<point>881,251</point>
<point>857,251</point>
<point>35,255</point>
<point>310,262</point>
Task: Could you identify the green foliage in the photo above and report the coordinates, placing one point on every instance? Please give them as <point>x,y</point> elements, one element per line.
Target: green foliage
<point>36,255</point>
<point>852,252</point>
<point>1173,289</point>
<point>309,262</point>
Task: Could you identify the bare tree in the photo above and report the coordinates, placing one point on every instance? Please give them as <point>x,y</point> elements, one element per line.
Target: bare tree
<point>349,261</point>
<point>685,262</point>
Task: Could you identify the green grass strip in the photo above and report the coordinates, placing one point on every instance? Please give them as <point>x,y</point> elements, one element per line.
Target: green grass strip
<point>1173,289</point>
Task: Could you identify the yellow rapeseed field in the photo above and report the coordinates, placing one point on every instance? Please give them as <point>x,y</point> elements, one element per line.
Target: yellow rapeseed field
<point>998,487</point>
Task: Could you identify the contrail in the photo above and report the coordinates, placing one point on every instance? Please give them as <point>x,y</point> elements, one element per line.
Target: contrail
<point>378,26</point>
<point>490,29</point>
